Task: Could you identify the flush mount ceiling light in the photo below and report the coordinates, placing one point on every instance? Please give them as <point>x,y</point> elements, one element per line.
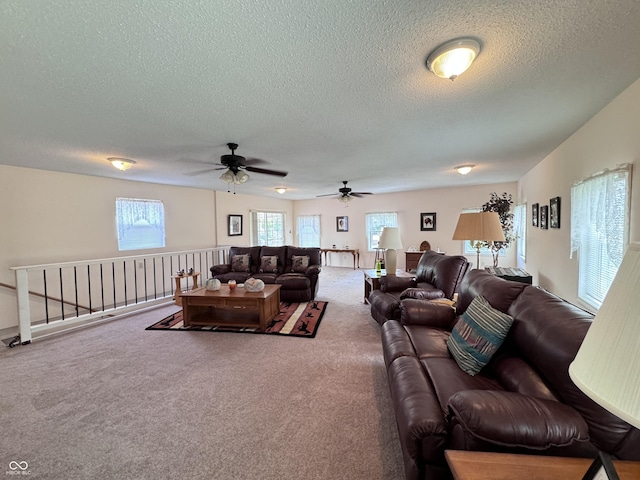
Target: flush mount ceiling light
<point>281,190</point>
<point>121,163</point>
<point>464,169</point>
<point>453,58</point>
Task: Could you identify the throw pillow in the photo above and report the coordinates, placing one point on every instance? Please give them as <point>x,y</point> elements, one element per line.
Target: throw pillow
<point>269,264</point>
<point>240,263</point>
<point>478,335</point>
<point>299,263</point>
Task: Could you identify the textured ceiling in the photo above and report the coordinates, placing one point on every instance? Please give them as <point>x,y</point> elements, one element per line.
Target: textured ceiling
<point>329,91</point>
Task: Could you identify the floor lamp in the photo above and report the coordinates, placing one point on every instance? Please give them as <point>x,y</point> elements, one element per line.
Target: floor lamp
<point>479,227</point>
<point>606,365</point>
<point>390,239</point>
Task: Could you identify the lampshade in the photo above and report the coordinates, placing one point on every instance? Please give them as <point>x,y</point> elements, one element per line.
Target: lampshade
<point>463,169</point>
<point>607,366</point>
<point>484,226</point>
<point>121,163</point>
<point>241,177</point>
<point>228,177</point>
<point>345,198</point>
<point>390,238</point>
<point>453,58</point>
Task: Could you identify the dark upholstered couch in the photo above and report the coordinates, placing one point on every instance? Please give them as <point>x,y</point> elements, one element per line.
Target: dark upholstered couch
<point>523,401</point>
<point>437,276</point>
<point>299,283</point>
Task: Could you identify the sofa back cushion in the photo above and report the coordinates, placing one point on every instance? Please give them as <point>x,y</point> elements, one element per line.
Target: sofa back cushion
<point>442,271</point>
<point>498,292</point>
<point>547,332</point>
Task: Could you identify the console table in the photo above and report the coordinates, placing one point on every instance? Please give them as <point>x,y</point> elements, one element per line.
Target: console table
<point>353,251</point>
<point>467,465</point>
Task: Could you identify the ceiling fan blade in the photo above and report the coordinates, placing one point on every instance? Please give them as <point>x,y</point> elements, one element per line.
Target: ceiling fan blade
<point>201,172</point>
<point>266,171</point>
<point>360,194</point>
<point>254,161</point>
<point>328,195</point>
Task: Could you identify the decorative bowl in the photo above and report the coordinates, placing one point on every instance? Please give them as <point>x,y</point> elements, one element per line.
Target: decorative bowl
<point>253,285</point>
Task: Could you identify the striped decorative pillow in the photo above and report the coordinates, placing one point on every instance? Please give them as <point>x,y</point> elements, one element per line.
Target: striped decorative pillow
<point>478,335</point>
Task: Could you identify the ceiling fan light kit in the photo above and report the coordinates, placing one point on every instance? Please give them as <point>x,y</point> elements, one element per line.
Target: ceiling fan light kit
<point>121,163</point>
<point>453,58</point>
<point>464,169</point>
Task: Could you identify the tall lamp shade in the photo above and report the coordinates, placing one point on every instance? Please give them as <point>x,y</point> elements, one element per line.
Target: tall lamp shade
<point>607,365</point>
<point>390,240</point>
<point>479,227</point>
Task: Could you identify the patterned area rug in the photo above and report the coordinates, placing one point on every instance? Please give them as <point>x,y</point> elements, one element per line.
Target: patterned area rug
<point>294,319</point>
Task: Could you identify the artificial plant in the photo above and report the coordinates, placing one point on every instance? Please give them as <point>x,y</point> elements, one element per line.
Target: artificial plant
<point>501,204</point>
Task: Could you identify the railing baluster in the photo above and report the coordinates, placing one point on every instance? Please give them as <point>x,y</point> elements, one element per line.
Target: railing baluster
<point>102,287</point>
<point>135,279</point>
<point>124,281</point>
<point>61,294</point>
<point>113,282</point>
<point>155,280</point>
<point>75,285</point>
<point>46,297</point>
<point>89,288</point>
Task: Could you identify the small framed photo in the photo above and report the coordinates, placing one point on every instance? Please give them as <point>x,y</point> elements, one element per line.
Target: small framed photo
<point>554,212</point>
<point>342,224</point>
<point>235,225</point>
<point>544,217</point>
<point>534,215</point>
<point>428,222</point>
<point>601,469</point>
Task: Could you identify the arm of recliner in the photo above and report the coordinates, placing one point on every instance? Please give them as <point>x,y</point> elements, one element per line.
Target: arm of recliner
<point>427,313</point>
<point>312,270</point>
<point>392,283</point>
<point>515,420</point>
<point>220,269</point>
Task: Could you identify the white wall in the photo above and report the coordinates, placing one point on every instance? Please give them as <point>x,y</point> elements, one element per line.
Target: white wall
<point>610,138</point>
<point>445,202</point>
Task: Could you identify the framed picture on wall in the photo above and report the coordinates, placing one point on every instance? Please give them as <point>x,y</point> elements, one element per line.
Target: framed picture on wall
<point>534,214</point>
<point>235,225</point>
<point>428,222</point>
<point>544,217</point>
<point>342,224</point>
<point>554,212</point>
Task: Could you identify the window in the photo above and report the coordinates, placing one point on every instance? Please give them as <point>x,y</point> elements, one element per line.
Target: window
<point>375,223</point>
<point>600,230</point>
<point>267,228</point>
<point>309,231</point>
<point>140,223</point>
<point>520,230</point>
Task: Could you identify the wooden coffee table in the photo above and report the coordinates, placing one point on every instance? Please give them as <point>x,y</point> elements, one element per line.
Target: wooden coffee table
<point>226,307</point>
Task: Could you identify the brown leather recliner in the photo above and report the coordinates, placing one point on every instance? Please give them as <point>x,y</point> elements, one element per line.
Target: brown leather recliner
<point>437,276</point>
<point>296,286</point>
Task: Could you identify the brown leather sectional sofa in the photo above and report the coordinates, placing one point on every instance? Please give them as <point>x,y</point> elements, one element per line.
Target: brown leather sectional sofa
<point>297,284</point>
<point>523,401</point>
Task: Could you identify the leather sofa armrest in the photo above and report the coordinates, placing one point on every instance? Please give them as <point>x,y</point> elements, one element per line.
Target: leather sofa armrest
<point>312,270</point>
<point>220,269</point>
<point>392,283</point>
<point>427,313</point>
<point>515,420</point>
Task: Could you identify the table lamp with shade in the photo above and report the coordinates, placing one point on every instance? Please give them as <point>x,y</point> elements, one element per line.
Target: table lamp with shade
<point>478,227</point>
<point>390,240</point>
<point>607,365</point>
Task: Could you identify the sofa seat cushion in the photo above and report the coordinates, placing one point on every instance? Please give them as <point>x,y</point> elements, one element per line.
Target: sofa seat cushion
<point>515,420</point>
<point>428,342</point>
<point>448,379</point>
<point>293,281</point>
<point>478,335</point>
<point>267,278</point>
<point>239,277</point>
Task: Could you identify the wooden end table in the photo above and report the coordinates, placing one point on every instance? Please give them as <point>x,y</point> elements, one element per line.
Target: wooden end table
<point>372,280</point>
<point>503,466</point>
<point>226,307</point>
<point>178,292</point>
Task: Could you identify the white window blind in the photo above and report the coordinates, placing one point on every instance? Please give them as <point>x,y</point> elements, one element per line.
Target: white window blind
<point>520,230</point>
<point>375,222</point>
<point>140,223</point>
<point>309,231</point>
<point>600,208</point>
<point>267,228</point>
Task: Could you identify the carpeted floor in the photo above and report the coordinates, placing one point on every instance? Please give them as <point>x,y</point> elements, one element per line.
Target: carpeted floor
<point>293,320</point>
<point>114,401</point>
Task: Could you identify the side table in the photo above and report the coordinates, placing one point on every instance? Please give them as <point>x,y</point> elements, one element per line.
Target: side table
<point>498,466</point>
<point>372,280</point>
<point>178,292</point>
<point>513,274</point>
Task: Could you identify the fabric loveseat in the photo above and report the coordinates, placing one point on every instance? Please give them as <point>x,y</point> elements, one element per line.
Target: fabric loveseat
<point>522,401</point>
<point>437,276</point>
<point>296,269</point>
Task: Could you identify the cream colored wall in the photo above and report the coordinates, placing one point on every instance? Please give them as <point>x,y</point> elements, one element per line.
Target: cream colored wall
<point>50,217</point>
<point>446,202</point>
<point>610,138</point>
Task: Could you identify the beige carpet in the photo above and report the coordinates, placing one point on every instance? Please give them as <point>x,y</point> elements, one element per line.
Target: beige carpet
<point>113,401</point>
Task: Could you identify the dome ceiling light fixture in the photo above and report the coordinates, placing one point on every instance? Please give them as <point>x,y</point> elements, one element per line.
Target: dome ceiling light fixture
<point>453,58</point>
<point>281,190</point>
<point>463,169</point>
<point>121,163</point>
